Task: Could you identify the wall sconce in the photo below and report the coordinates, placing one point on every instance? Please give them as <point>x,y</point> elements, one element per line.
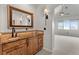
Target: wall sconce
<point>46,16</point>
<point>46,13</point>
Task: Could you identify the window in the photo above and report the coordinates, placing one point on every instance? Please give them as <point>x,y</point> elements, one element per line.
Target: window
<point>68,25</point>
<point>60,25</point>
<point>74,25</point>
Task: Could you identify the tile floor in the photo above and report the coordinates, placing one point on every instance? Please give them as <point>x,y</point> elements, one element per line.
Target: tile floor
<point>66,53</point>
<point>44,52</point>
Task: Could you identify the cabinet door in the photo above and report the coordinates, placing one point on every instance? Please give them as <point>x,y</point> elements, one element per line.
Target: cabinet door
<point>30,46</point>
<point>40,41</point>
<point>35,42</point>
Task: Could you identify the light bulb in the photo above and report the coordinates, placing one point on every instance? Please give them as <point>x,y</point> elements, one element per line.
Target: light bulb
<point>45,11</point>
<point>62,13</point>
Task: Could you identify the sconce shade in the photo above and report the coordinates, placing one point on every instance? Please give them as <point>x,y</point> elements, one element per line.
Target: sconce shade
<point>46,13</point>
<point>46,17</point>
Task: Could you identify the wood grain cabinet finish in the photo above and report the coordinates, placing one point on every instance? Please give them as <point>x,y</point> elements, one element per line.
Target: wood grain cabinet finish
<point>30,46</point>
<point>40,42</point>
<point>15,48</point>
<point>0,49</point>
<point>23,46</point>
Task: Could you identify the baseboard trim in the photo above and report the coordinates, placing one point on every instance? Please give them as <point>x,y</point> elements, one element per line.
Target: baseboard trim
<point>48,50</point>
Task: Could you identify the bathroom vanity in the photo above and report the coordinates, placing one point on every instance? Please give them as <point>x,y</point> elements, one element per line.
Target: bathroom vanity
<point>26,43</point>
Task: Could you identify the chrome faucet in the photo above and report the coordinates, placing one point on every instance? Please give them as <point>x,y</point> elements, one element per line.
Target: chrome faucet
<point>13,31</point>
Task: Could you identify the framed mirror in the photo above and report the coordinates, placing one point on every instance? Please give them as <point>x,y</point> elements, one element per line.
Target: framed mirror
<point>20,18</point>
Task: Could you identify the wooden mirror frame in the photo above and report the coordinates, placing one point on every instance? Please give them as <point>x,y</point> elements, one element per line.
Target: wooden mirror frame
<point>10,9</point>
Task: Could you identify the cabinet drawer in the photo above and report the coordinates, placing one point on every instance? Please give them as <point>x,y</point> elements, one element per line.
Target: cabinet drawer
<point>10,53</point>
<point>17,50</point>
<point>13,44</point>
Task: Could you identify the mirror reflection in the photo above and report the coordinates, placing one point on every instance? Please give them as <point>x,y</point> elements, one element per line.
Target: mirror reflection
<point>20,18</point>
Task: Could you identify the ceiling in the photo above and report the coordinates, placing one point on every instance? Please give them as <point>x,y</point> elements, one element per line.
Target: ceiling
<point>50,7</point>
<point>73,9</point>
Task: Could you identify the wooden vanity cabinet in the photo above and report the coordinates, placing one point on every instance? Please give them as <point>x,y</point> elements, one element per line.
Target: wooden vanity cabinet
<point>23,46</point>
